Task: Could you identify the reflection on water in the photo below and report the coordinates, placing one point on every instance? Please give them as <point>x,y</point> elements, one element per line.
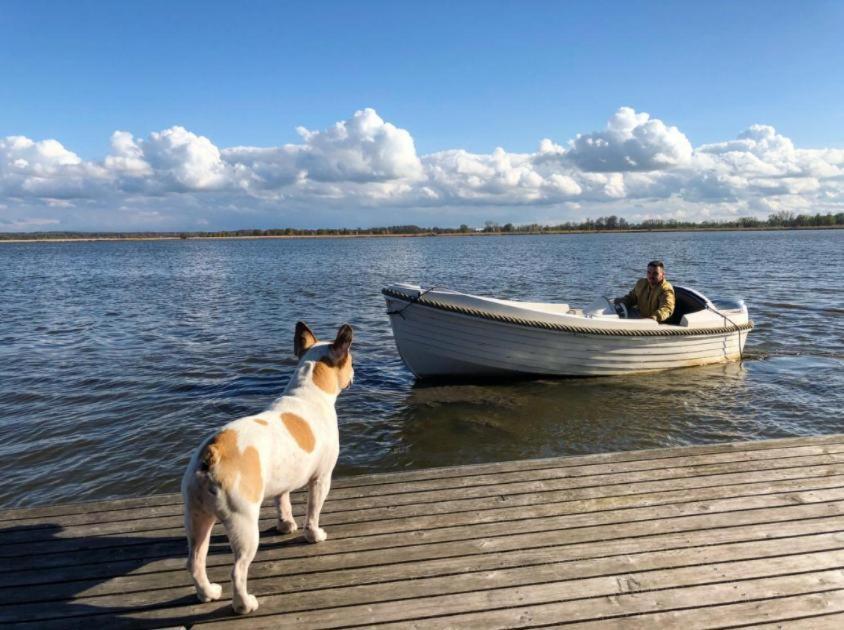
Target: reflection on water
<point>443,424</point>
<point>117,358</point>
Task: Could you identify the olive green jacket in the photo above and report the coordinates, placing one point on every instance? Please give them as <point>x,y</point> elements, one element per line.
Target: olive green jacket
<point>657,302</point>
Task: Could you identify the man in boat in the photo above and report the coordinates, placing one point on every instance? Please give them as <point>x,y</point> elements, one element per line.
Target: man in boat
<point>653,296</point>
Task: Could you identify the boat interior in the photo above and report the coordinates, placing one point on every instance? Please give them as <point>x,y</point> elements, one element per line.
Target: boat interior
<point>686,302</point>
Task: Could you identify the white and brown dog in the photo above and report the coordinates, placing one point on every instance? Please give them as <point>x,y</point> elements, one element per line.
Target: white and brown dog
<point>293,443</point>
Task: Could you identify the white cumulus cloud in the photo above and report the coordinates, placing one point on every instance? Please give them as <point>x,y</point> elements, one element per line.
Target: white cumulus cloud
<point>363,148</point>
<point>46,169</point>
<point>631,142</point>
<point>364,170</point>
<point>184,160</point>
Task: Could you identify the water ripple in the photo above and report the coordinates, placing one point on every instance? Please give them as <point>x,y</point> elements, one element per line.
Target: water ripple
<point>116,358</point>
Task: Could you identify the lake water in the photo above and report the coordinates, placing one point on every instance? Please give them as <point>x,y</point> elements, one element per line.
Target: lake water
<point>116,358</point>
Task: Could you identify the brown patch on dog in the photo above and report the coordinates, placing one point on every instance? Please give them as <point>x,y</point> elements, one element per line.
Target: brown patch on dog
<point>251,482</point>
<point>300,430</point>
<point>262,422</point>
<point>325,377</point>
<point>333,372</point>
<point>332,377</point>
<point>228,464</point>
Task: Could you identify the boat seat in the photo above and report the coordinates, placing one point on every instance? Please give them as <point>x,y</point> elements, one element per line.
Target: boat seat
<point>686,302</point>
<point>556,309</point>
<point>542,307</point>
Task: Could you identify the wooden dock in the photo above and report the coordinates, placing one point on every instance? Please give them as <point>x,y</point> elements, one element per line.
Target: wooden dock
<point>698,537</point>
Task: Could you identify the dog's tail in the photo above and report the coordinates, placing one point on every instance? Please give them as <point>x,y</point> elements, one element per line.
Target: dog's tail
<point>200,486</point>
<point>209,457</point>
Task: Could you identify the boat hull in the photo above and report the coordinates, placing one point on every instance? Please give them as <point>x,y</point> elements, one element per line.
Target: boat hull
<point>435,342</point>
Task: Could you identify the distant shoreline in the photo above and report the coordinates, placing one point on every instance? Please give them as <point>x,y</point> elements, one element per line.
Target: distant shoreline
<point>189,237</point>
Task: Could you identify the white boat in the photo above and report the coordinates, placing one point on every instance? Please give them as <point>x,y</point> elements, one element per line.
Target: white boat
<point>440,332</point>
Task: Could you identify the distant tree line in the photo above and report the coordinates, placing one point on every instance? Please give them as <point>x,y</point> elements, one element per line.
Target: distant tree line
<point>779,220</point>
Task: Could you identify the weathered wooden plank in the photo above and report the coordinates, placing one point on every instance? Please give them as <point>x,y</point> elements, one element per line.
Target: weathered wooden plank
<point>88,571</point>
<point>487,517</point>
<point>658,456</point>
<point>810,611</point>
<point>832,621</point>
<point>473,601</point>
<point>618,538</point>
<point>143,519</point>
<point>340,512</point>
<point>609,578</point>
<point>342,501</point>
<point>751,612</point>
<point>264,576</point>
<point>591,542</point>
<point>698,517</point>
<point>150,518</point>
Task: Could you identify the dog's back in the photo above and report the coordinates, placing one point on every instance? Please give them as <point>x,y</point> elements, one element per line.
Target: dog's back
<point>262,456</point>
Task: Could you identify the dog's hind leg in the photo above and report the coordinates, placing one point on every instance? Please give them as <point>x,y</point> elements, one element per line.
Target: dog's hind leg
<point>242,528</point>
<point>198,525</point>
<point>286,523</point>
<point>317,492</point>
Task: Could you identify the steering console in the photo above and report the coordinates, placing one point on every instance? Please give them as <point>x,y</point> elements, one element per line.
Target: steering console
<point>620,309</point>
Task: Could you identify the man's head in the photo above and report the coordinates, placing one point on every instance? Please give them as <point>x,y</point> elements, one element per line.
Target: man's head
<point>656,272</point>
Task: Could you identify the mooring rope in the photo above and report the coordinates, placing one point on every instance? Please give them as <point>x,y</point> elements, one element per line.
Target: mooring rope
<point>737,329</point>
<point>413,300</point>
<point>531,323</point>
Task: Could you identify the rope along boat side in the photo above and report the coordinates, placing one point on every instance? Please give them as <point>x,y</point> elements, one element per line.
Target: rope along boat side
<point>440,332</point>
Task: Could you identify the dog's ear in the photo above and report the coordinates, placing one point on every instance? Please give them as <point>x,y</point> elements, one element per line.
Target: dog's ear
<point>340,347</point>
<point>303,339</point>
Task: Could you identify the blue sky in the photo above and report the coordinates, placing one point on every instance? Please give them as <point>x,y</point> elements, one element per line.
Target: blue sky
<point>455,75</point>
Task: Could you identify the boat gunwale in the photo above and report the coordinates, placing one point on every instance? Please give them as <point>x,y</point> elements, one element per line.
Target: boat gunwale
<point>663,331</point>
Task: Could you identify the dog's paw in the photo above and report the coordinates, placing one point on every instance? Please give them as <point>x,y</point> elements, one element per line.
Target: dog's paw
<point>285,527</point>
<point>315,535</point>
<point>246,606</point>
<point>210,594</point>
